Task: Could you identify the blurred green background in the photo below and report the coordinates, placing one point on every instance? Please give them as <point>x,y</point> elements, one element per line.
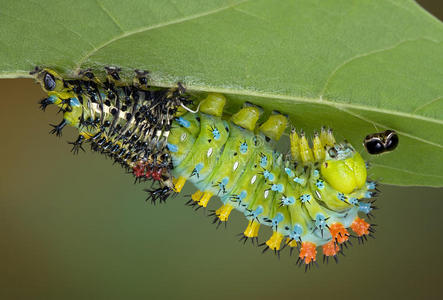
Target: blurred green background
<point>76,227</point>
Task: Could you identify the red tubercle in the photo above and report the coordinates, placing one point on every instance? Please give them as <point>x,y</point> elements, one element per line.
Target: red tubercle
<point>138,170</point>
<point>157,174</point>
<point>338,232</point>
<point>360,226</point>
<point>308,252</point>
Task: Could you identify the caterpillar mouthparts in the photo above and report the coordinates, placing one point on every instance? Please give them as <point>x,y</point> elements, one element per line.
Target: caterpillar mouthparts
<point>311,197</point>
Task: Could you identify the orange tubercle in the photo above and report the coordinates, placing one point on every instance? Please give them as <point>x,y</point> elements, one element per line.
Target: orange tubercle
<point>360,226</point>
<point>338,232</point>
<point>308,252</point>
<point>331,248</point>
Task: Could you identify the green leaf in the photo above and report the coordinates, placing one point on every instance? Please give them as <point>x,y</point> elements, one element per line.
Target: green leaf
<point>357,66</point>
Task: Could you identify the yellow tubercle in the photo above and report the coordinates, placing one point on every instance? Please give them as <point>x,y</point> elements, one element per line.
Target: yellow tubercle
<point>291,243</point>
<point>295,149</point>
<point>305,150</point>
<point>205,199</point>
<point>246,117</point>
<point>86,135</point>
<point>252,229</point>
<point>274,241</point>
<point>213,104</point>
<point>318,148</point>
<point>224,211</point>
<point>197,195</point>
<point>274,126</point>
<point>178,185</point>
<point>327,137</point>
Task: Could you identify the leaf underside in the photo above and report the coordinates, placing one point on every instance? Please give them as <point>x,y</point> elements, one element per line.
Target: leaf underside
<point>357,66</point>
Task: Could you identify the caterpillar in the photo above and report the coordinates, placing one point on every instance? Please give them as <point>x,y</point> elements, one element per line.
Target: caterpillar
<point>311,197</point>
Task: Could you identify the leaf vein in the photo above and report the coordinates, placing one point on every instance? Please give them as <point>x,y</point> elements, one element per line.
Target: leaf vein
<point>160,25</point>
<point>358,56</point>
<point>427,103</point>
<point>406,171</point>
<point>108,13</point>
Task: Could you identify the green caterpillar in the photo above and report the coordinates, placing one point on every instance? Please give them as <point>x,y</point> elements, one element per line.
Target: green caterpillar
<point>310,198</point>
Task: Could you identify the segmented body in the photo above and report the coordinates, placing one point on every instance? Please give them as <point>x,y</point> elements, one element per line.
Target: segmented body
<point>310,198</point>
<point>245,171</point>
<point>129,123</point>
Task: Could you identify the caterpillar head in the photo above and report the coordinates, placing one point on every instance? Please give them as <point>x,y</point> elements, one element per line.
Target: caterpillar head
<point>344,168</point>
<point>50,81</point>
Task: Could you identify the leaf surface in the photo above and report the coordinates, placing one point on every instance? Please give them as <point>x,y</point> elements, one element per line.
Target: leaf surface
<point>357,66</point>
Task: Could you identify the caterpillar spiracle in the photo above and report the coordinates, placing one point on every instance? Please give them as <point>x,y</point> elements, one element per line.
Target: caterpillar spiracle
<point>312,198</point>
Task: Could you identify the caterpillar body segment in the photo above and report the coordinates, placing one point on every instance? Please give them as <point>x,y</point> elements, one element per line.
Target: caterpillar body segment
<point>311,199</point>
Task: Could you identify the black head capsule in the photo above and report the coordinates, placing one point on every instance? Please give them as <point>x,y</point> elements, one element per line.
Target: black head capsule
<point>381,142</point>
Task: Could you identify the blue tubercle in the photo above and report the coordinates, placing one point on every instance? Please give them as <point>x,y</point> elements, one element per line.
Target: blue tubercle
<point>296,232</point>
<point>222,184</point>
<point>256,212</point>
<point>287,200</point>
<point>371,185</point>
<point>369,194</point>
<point>277,187</point>
<point>243,148</point>
<point>305,198</point>
<point>74,102</point>
<point>263,161</point>
<point>197,169</point>
<point>365,207</point>
<point>341,196</point>
<point>353,201</point>
<point>277,219</point>
<point>320,221</point>
<point>320,184</point>
<point>183,122</point>
<point>242,195</point>
<point>289,172</point>
<point>299,180</point>
<point>215,134</point>
<point>172,147</point>
<point>268,175</point>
